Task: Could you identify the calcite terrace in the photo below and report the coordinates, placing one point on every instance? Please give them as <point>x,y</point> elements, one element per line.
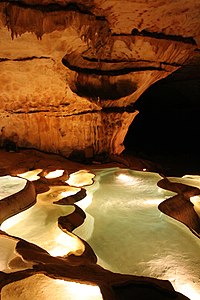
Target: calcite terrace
<point>43,257</point>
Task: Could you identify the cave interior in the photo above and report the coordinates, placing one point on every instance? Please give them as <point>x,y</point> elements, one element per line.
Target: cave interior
<point>105,93</point>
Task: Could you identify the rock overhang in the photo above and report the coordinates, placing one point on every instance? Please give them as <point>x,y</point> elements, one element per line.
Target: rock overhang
<point>67,67</point>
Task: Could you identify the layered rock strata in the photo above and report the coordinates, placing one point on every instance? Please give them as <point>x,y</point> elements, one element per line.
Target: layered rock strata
<point>71,72</point>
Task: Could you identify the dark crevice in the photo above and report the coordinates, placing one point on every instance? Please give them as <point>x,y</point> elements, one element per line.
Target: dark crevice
<point>47,111</point>
<point>63,104</point>
<point>30,58</point>
<point>114,109</point>
<point>79,113</point>
<point>52,7</point>
<point>38,111</point>
<point>143,292</point>
<point>24,58</point>
<point>171,64</point>
<point>109,72</point>
<point>101,18</point>
<point>129,108</point>
<point>116,61</point>
<point>94,59</point>
<point>159,35</point>
<point>4,59</point>
<point>29,112</point>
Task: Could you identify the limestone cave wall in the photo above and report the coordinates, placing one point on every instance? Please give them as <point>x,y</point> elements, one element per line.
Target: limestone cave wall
<point>71,71</point>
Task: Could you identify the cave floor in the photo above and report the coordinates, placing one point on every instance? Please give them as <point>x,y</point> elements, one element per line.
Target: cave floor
<point>14,163</point>
<point>27,159</point>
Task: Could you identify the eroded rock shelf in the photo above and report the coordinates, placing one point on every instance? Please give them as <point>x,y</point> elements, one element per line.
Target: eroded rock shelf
<point>70,255</point>
<point>63,63</point>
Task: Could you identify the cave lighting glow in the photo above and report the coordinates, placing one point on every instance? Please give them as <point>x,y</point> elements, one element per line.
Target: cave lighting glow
<point>121,213</point>
<point>127,179</point>
<point>54,174</point>
<point>7,249</point>
<point>31,175</point>
<point>10,185</point>
<point>80,178</point>
<point>154,244</point>
<point>38,224</point>
<point>72,191</point>
<point>190,291</point>
<point>10,260</point>
<point>56,193</point>
<point>196,201</point>
<point>49,288</point>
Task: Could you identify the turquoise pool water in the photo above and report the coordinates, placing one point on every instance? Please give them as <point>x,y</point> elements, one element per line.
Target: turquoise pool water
<point>123,226</point>
<point>130,235</point>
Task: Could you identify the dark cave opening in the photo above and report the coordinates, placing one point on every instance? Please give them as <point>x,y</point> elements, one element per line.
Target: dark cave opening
<point>166,130</point>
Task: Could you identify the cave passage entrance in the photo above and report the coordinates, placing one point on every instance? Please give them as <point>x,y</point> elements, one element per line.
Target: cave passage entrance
<point>168,121</point>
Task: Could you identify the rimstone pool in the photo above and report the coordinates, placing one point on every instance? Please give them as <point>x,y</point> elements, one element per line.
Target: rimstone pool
<point>126,222</point>
<point>123,226</point>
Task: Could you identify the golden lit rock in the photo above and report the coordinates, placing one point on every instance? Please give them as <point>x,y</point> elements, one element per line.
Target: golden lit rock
<point>50,244</point>
<point>71,72</point>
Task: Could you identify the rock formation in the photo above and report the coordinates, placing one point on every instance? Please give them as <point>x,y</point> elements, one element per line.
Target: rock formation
<point>28,270</point>
<point>71,71</point>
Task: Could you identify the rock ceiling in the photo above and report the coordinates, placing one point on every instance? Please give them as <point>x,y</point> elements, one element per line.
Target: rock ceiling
<point>71,71</point>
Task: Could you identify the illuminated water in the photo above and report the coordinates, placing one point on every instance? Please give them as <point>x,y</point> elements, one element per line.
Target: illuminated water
<point>10,185</point>
<point>39,224</point>
<point>123,226</point>
<point>130,235</point>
